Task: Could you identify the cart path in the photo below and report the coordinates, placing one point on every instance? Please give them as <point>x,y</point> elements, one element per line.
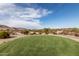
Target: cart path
<point>69,36</point>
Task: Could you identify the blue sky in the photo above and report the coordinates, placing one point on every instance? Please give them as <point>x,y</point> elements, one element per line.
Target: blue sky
<point>64,15</point>
<point>36,16</point>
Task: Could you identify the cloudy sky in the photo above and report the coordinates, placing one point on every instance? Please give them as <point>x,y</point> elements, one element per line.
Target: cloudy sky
<point>36,16</point>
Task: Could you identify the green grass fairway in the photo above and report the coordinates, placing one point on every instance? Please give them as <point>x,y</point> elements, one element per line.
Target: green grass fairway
<point>40,46</point>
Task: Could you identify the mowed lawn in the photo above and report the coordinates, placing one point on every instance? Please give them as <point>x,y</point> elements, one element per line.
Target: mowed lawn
<point>42,45</point>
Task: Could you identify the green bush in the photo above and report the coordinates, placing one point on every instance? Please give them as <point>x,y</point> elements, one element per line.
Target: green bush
<point>4,34</point>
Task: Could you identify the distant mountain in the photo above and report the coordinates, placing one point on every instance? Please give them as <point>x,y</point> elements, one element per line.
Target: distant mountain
<point>4,27</point>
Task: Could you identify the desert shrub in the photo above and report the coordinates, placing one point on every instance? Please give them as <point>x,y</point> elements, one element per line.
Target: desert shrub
<point>54,32</point>
<point>77,34</point>
<point>33,33</point>
<point>25,32</point>
<point>13,33</point>
<point>76,30</point>
<point>4,34</point>
<point>40,32</point>
<point>46,31</point>
<point>65,32</point>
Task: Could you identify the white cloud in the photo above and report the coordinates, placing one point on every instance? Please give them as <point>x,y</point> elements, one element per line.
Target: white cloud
<point>12,15</point>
